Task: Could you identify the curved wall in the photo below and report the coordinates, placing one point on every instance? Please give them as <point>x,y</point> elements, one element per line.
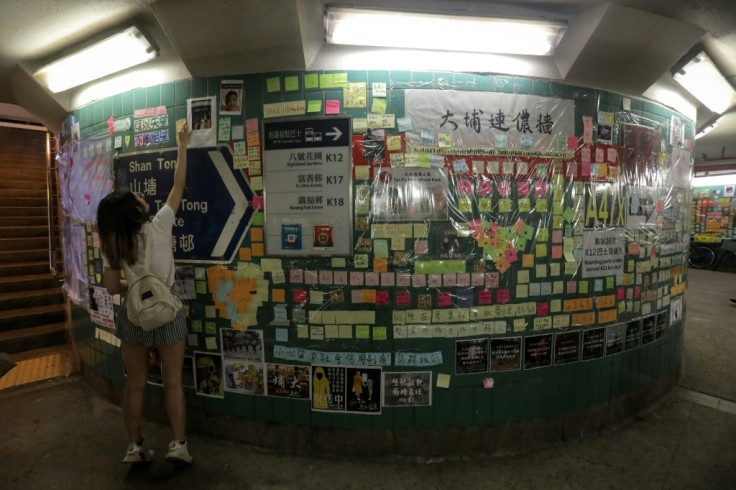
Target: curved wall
<point>546,299</point>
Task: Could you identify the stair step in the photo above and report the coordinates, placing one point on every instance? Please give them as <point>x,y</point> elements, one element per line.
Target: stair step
<point>23,184</point>
<point>25,211</point>
<point>29,338</point>
<point>24,231</point>
<point>22,201</point>
<point>36,297</point>
<point>12,284</point>
<point>23,243</point>
<point>28,255</point>
<point>20,268</point>
<point>31,317</point>
<point>23,193</point>
<point>24,220</point>
<point>33,173</point>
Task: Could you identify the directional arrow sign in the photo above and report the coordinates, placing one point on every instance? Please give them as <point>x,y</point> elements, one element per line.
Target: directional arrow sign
<point>216,208</point>
<point>335,134</point>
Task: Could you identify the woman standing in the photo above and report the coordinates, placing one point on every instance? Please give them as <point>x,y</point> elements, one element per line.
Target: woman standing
<point>120,219</point>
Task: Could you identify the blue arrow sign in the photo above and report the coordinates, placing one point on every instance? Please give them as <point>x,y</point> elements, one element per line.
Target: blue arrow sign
<point>216,208</point>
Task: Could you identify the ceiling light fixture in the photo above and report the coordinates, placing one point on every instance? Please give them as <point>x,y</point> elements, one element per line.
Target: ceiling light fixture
<point>392,29</point>
<point>700,76</point>
<point>113,54</point>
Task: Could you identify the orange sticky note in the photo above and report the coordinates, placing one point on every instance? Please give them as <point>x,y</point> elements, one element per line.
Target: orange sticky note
<point>380,264</point>
<point>527,260</point>
<point>369,296</point>
<point>245,254</point>
<point>257,249</point>
<point>278,295</point>
<point>256,234</point>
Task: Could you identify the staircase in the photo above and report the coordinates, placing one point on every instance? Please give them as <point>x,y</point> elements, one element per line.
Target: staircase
<point>32,307</point>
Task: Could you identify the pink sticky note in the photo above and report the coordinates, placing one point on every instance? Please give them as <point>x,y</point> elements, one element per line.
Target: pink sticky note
<point>485,187</point>
<point>463,279</point>
<point>299,296</point>
<point>421,247</point>
<point>587,129</point>
<point>435,280</point>
<point>251,125</point>
<point>403,298</point>
<point>572,287</point>
<point>620,294</point>
<point>296,276</point>
<point>522,188</point>
<point>584,170</point>
<point>572,142</point>
<point>511,255</point>
<point>444,299</point>
<point>502,296</point>
<point>419,280</point>
<point>325,277</point>
<point>492,279</point>
<point>311,277</point>
<point>257,202</point>
<point>484,297</point>
<point>356,296</point>
<point>488,383</point>
<point>478,279</point>
<point>403,279</point>
<point>449,280</point>
<point>542,308</point>
<point>341,277</point>
<point>540,189</point>
<point>556,251</point>
<point>371,279</point>
<point>332,106</point>
<point>464,187</point>
<point>388,279</point>
<point>381,298</point>
<point>356,278</point>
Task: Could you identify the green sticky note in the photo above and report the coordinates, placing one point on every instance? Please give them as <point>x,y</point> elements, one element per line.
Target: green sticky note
<point>583,287</point>
<point>380,248</point>
<point>273,84</point>
<point>201,287</point>
<point>258,219</point>
<point>543,235</point>
<point>525,205</point>
<point>311,80</point>
<point>210,328</point>
<point>291,83</point>
<point>340,79</point>
<point>504,205</point>
<point>362,331</point>
<point>379,333</point>
<point>314,106</point>
<point>378,106</point>
<point>541,249</point>
<point>542,205</point>
<point>484,204</point>
<point>465,205</point>
<point>569,214</point>
<point>325,80</point>
<point>609,282</point>
<point>196,325</point>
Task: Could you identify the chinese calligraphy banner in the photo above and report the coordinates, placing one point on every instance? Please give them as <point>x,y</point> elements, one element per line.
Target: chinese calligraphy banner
<point>476,118</point>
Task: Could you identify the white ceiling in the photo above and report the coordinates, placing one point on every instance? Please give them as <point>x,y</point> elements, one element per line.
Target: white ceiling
<point>623,46</point>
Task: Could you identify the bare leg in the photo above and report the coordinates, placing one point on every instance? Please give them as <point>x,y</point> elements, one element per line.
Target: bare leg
<point>135,357</point>
<point>172,359</point>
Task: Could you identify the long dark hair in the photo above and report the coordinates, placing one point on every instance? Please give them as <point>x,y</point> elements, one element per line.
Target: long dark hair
<point>119,220</point>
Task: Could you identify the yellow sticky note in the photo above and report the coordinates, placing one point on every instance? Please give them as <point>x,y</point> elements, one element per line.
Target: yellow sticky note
<point>504,205</point>
<point>256,234</point>
<point>311,80</point>
<point>522,290</point>
<point>314,106</point>
<point>346,331</point>
<point>522,277</point>
<point>201,287</point>
<point>278,295</point>
<point>338,262</point>
<point>541,249</point>
<point>443,380</point>
<point>362,331</point>
<point>256,183</point>
<point>291,83</point>
<point>211,343</point>
<point>302,331</point>
<point>379,333</point>
<point>331,331</point>
<point>527,260</point>
<point>524,205</point>
<point>393,143</point>
<point>257,249</point>
<point>583,287</point>
<point>378,106</point>
<point>245,254</point>
<point>273,84</point>
<point>542,205</point>
<point>316,297</point>
<point>362,172</point>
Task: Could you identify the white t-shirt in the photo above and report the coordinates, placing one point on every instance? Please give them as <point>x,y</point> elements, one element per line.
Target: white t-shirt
<point>162,256</point>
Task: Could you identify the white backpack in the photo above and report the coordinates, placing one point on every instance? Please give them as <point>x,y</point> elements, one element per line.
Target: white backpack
<point>150,303</point>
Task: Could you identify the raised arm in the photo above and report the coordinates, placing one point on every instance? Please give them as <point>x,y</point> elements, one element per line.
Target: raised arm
<point>180,174</point>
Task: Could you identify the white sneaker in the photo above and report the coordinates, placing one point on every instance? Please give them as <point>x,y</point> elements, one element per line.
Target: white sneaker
<point>138,453</point>
<point>178,454</point>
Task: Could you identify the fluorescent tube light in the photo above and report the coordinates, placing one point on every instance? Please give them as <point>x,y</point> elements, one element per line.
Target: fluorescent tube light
<point>701,77</point>
<point>365,27</point>
<point>123,50</point>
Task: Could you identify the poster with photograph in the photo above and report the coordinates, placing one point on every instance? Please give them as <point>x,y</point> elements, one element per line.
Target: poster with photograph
<point>328,388</point>
<point>537,351</point>
<point>364,390</point>
<point>615,338</point>
<point>208,374</point>
<point>633,334</point>
<point>245,377</point>
<point>471,356</point>
<point>641,209</point>
<point>187,372</point>
<point>728,190</point>
<point>287,381</point>
<point>675,310</point>
<point>246,345</point>
<point>184,282</point>
<point>567,347</point>
<point>410,194</point>
<point>231,97</point>
<point>506,354</point>
<point>647,329</point>
<point>202,121</point>
<point>594,343</point>
<point>101,307</point>
<point>407,389</point>
<point>661,326</point>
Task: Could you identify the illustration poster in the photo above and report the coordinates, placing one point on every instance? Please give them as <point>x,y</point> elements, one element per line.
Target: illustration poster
<point>675,310</point>
<point>537,351</point>
<point>328,388</point>
<point>615,337</point>
<point>184,286</point>
<point>407,389</point>
<point>633,334</point>
<point>647,329</point>
<point>231,97</point>
<point>594,343</point>
<point>246,345</point>
<point>567,347</point>
<point>201,119</point>
<point>244,377</point>
<point>364,394</point>
<point>506,354</point>
<point>287,381</point>
<point>101,307</point>
<point>208,374</point>
<point>471,356</point>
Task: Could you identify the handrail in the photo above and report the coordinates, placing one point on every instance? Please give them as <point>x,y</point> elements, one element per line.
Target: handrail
<point>50,205</point>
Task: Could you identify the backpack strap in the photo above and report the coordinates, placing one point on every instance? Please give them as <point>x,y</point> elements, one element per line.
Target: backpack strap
<point>146,237</point>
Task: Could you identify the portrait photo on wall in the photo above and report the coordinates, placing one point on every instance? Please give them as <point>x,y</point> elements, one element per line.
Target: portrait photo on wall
<point>231,97</point>
<point>208,374</point>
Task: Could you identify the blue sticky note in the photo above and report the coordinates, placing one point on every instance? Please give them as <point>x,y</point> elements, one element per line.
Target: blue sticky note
<point>282,335</point>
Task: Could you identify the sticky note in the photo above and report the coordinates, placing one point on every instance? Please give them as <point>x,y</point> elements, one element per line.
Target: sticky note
<point>378,106</point>
<point>314,106</point>
<point>379,333</point>
<point>332,106</point>
<point>362,331</point>
<point>211,343</point>
<point>291,83</point>
<point>443,380</point>
<point>273,84</point>
<point>311,80</point>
